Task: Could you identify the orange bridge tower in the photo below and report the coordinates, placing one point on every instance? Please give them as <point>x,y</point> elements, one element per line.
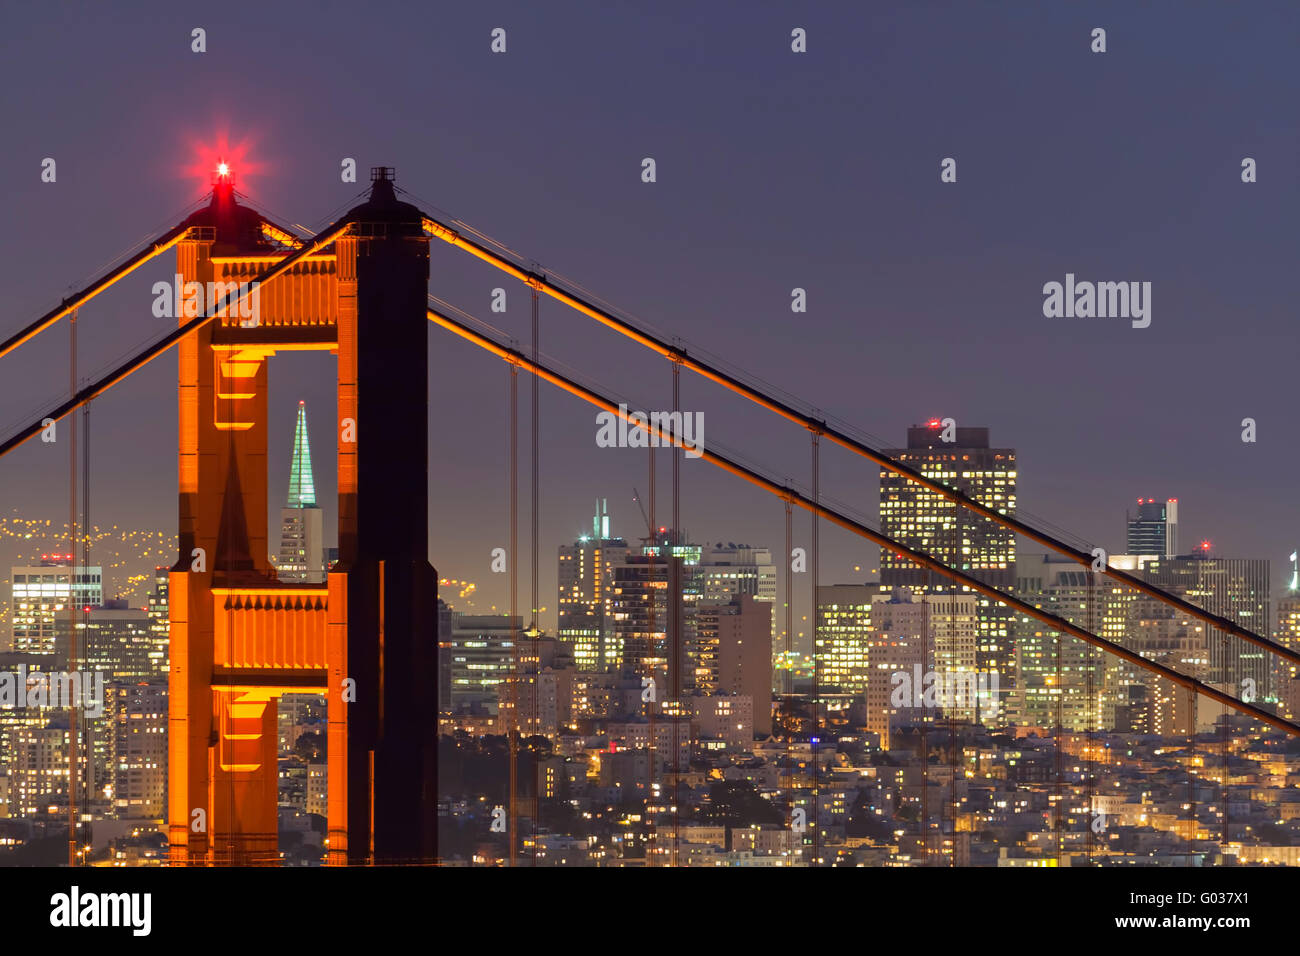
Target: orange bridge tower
<point>240,638</point>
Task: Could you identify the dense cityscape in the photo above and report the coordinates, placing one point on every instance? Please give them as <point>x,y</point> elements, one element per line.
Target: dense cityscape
<point>671,717</point>
<point>670,438</point>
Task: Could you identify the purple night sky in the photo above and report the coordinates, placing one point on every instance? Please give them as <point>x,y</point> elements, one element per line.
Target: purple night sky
<point>775,171</point>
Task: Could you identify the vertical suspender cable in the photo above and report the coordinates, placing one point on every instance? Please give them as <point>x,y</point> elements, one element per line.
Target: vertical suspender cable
<point>534,627</point>
<point>677,620</point>
<point>1223,740</point>
<point>813,620</point>
<point>649,655</point>
<point>85,564</point>
<point>73,729</point>
<point>927,664</point>
<point>536,418</point>
<point>952,704</point>
<point>1191,776</point>
<point>787,681</point>
<point>1091,704</point>
<point>513,729</point>
<point>1058,648</point>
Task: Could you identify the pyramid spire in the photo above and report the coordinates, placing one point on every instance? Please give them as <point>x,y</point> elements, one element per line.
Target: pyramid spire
<point>302,487</point>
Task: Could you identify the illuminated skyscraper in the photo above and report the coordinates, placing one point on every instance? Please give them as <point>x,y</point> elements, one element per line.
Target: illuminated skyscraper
<point>159,615</point>
<point>41,595</point>
<point>1154,530</point>
<point>1234,588</point>
<point>728,570</point>
<point>843,633</point>
<point>654,596</point>
<point>1164,635</point>
<point>136,714</point>
<point>1287,674</point>
<point>121,642</point>
<point>914,636</point>
<point>1059,676</point>
<point>927,522</point>
<point>302,553</point>
<point>897,644</point>
<point>38,768</point>
<point>476,660</point>
<point>586,569</point>
<point>732,654</point>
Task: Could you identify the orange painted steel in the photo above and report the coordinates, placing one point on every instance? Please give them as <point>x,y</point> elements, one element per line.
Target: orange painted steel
<point>239,638</point>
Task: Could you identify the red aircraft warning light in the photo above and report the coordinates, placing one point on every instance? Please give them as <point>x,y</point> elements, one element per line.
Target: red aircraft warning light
<point>223,174</point>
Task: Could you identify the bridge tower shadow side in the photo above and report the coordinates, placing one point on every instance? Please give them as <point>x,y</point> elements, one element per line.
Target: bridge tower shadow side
<point>366,639</point>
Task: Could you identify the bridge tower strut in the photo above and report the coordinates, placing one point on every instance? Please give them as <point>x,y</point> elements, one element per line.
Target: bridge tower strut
<point>240,638</point>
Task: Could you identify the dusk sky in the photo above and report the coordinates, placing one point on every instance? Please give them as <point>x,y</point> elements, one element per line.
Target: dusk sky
<point>775,170</point>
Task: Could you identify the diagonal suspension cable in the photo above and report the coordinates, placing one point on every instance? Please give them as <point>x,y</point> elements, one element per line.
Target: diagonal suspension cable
<point>144,357</point>
<point>73,302</point>
<point>820,426</point>
<point>542,370</point>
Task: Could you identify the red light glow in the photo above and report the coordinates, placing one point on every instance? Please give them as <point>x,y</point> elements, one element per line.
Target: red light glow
<point>220,155</point>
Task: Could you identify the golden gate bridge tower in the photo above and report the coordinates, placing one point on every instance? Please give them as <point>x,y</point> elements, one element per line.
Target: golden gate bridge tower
<point>239,637</point>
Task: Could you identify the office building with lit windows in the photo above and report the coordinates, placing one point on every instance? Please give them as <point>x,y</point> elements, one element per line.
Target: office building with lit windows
<point>122,642</point>
<point>1154,529</point>
<point>476,660</point>
<point>1060,677</point>
<point>726,570</point>
<point>40,599</point>
<point>38,768</point>
<point>897,644</point>
<point>927,522</point>
<point>586,570</point>
<point>1287,673</point>
<point>1178,641</point>
<point>136,718</point>
<point>1233,588</point>
<point>914,633</point>
<point>732,654</point>
<point>653,598</point>
<point>843,635</point>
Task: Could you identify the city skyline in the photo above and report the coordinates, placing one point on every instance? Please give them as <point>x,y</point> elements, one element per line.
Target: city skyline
<point>1239,490</point>
<point>927,296</point>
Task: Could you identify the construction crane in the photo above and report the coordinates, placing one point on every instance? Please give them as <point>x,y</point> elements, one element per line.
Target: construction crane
<point>650,531</point>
